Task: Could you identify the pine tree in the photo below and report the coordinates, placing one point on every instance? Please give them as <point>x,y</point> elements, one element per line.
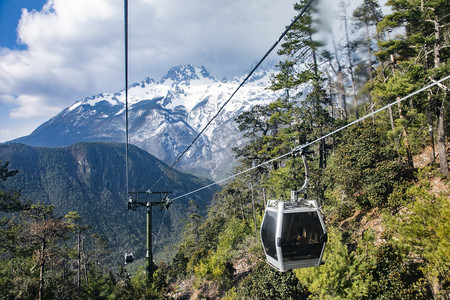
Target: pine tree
<point>419,56</point>
<point>9,200</point>
<point>302,52</point>
<point>74,224</point>
<point>42,235</point>
<point>265,126</point>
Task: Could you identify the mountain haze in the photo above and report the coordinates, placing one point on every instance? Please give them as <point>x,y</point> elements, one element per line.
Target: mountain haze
<point>164,117</point>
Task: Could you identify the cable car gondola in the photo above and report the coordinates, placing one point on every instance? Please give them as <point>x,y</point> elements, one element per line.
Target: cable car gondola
<point>129,258</point>
<point>293,233</point>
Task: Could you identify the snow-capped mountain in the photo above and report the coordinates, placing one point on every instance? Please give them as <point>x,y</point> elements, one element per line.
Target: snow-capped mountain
<point>164,118</point>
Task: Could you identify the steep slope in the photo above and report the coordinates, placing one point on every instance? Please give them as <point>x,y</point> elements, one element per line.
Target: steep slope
<point>90,178</point>
<point>164,117</point>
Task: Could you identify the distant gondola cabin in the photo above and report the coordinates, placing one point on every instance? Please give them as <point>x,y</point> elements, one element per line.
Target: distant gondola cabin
<point>129,258</point>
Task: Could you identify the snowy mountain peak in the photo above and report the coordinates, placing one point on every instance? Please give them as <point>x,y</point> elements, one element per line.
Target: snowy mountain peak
<point>147,81</point>
<point>184,74</point>
<point>164,117</point>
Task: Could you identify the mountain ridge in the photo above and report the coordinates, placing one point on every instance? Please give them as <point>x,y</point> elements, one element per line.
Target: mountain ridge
<point>90,178</point>
<point>164,117</point>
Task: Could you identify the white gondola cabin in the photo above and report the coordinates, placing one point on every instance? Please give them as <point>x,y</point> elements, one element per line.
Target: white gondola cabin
<point>293,234</point>
<point>129,258</point>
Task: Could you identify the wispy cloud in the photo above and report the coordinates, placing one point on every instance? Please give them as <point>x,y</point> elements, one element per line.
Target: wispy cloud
<point>75,48</point>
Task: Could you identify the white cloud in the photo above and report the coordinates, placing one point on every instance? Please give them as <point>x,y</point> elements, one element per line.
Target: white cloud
<point>72,51</point>
<point>75,48</point>
<point>31,106</point>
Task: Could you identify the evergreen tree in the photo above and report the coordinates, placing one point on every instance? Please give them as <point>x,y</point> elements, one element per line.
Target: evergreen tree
<point>9,200</point>
<point>265,127</point>
<point>42,235</point>
<point>365,170</point>
<point>423,229</point>
<point>418,58</point>
<point>13,277</point>
<point>74,220</point>
<point>369,175</point>
<point>302,52</point>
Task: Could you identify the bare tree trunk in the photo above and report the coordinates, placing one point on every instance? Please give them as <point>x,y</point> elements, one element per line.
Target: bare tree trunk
<point>369,67</point>
<point>84,260</point>
<point>330,92</point>
<point>264,197</point>
<point>242,207</point>
<point>350,67</point>
<point>343,103</point>
<point>321,155</point>
<point>430,127</point>
<point>324,152</point>
<point>405,139</point>
<point>41,271</point>
<point>391,118</point>
<point>436,287</point>
<point>431,132</point>
<point>79,264</point>
<point>254,212</point>
<point>437,38</point>
<point>442,145</point>
<point>343,114</point>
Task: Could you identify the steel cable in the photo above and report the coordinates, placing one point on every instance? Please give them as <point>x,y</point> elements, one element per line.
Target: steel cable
<point>298,148</point>
<point>234,93</point>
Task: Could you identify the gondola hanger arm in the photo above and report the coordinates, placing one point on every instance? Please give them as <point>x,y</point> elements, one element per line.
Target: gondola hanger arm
<point>304,189</point>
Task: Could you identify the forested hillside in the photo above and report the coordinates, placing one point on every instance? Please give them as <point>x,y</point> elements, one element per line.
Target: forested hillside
<point>382,183</point>
<point>86,183</point>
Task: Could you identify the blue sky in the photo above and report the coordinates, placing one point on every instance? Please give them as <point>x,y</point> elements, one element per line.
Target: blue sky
<point>71,49</point>
<point>10,12</point>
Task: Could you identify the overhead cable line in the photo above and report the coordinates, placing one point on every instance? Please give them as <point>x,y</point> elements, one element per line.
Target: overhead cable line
<point>125,10</point>
<point>298,148</point>
<point>232,95</point>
